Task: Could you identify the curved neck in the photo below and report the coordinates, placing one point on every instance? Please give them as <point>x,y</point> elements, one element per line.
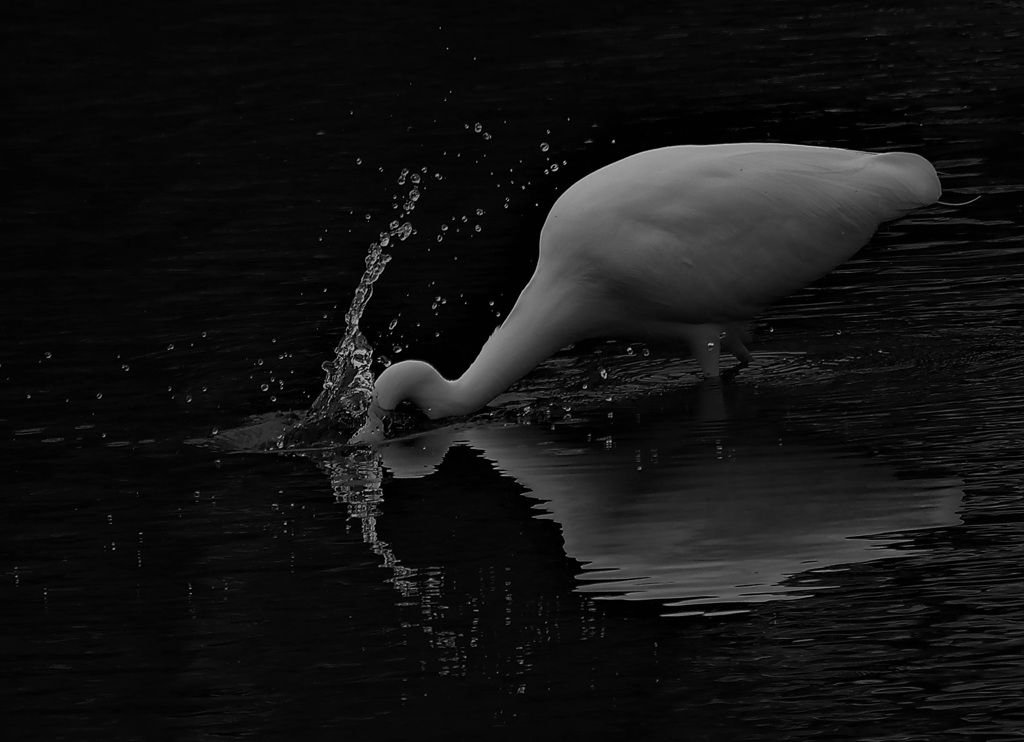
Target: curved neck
<point>543,321</point>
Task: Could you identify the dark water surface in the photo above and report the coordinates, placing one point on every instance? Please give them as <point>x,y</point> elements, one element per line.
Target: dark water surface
<point>828,545</point>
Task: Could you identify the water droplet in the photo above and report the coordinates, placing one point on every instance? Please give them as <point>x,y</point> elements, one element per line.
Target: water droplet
<point>479,212</point>
<point>554,167</point>
<point>721,335</point>
<point>48,354</point>
<point>478,128</point>
<point>188,398</point>
<point>544,147</point>
<point>393,324</point>
<point>403,175</point>
<point>414,195</point>
<point>170,346</point>
<point>476,228</point>
<point>259,362</point>
<point>604,373</point>
<point>415,177</point>
<point>711,347</point>
<point>265,387</point>
<point>359,161</point>
<point>99,395</point>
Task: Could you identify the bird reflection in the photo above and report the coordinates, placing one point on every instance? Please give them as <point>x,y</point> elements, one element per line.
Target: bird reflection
<point>699,515</point>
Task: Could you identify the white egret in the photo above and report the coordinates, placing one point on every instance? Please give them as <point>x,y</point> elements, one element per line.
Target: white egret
<point>680,244</point>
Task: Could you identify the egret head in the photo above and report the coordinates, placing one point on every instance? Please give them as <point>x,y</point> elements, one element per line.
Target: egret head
<point>408,380</point>
<point>412,381</point>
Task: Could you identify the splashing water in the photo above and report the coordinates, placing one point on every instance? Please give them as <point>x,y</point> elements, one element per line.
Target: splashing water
<point>348,386</point>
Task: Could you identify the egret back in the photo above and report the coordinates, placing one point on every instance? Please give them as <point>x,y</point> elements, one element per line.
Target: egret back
<point>698,234</point>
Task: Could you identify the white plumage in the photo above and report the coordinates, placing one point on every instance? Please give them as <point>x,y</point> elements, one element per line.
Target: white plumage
<point>681,244</point>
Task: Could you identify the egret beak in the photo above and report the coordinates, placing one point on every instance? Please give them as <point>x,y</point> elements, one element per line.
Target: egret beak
<point>373,430</point>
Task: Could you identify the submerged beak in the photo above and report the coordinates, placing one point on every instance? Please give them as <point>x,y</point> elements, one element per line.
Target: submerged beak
<point>373,430</point>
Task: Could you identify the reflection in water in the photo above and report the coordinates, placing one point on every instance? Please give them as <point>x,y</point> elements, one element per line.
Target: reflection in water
<point>356,482</point>
<point>172,189</point>
<point>695,515</point>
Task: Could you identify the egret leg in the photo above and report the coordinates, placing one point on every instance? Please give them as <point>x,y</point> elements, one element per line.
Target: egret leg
<point>733,342</point>
<point>706,343</point>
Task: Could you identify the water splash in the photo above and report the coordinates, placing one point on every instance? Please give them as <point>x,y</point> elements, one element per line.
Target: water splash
<point>341,407</point>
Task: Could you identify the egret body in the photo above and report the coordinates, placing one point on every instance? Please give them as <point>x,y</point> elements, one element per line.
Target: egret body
<point>680,244</point>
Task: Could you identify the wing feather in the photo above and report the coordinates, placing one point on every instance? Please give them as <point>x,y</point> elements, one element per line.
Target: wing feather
<point>715,233</point>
